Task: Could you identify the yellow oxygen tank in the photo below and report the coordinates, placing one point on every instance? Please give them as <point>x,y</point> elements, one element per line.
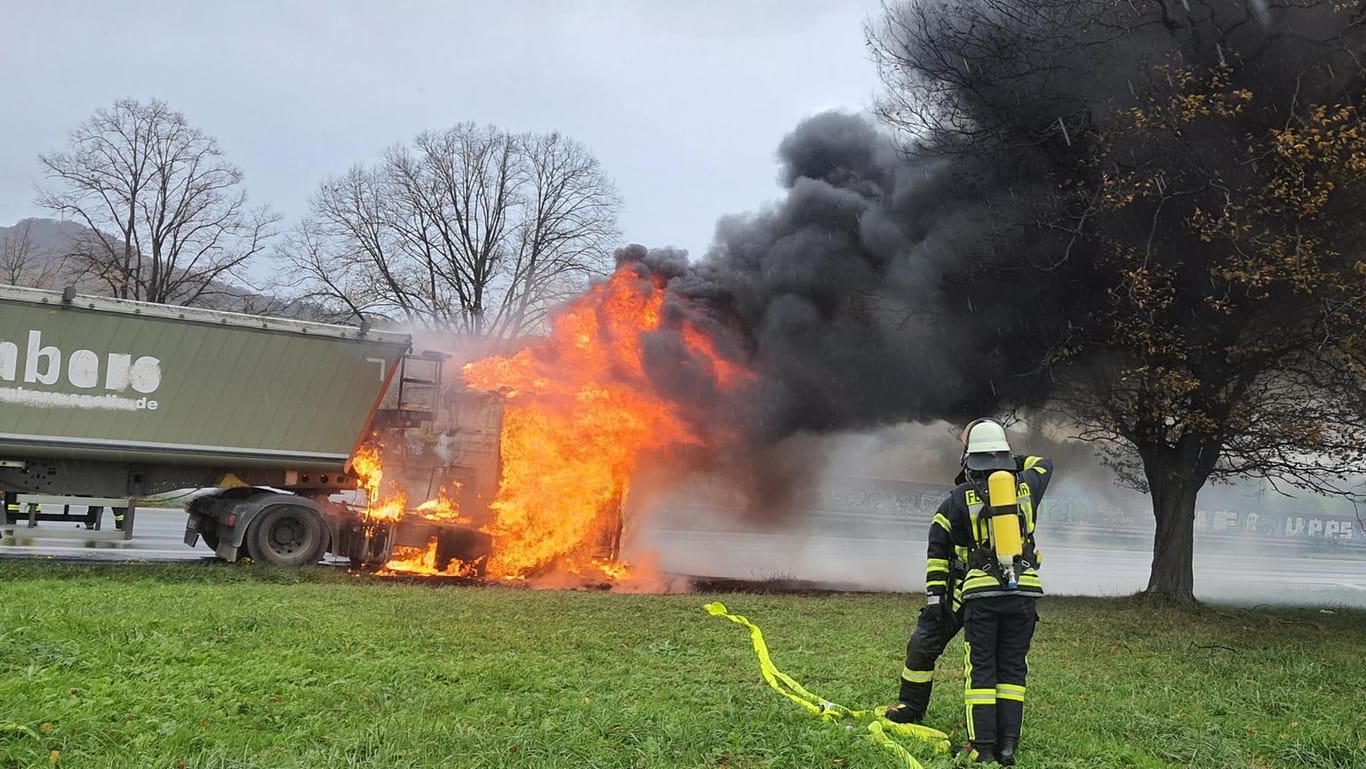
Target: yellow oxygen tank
<point>1005,521</point>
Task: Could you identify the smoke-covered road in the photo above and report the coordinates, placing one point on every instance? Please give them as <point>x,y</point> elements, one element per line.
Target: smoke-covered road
<point>1249,577</point>
<point>870,563</point>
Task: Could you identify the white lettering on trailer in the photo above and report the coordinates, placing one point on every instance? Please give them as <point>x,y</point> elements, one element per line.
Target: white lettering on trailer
<point>146,374</point>
<point>37,354</point>
<point>42,365</point>
<point>107,402</point>
<point>116,371</point>
<point>83,369</point>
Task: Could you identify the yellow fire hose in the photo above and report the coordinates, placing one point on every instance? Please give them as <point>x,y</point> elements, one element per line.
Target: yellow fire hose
<point>830,711</point>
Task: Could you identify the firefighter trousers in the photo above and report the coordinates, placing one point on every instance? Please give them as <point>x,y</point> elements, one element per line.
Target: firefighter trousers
<point>933,631</point>
<point>997,631</point>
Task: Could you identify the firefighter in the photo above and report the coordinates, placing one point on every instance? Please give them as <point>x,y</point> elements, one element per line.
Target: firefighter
<point>991,516</point>
<point>939,621</point>
<point>120,515</point>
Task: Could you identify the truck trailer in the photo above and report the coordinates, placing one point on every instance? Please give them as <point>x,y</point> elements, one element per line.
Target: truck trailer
<point>104,402</point>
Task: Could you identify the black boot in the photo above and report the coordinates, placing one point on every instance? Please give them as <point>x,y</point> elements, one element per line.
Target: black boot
<point>978,752</point>
<point>901,713</point>
<point>1005,751</point>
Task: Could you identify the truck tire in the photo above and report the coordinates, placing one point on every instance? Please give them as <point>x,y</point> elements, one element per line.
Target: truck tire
<point>287,535</point>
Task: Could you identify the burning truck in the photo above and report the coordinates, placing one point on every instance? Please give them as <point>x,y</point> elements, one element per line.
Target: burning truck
<point>439,441</point>
<point>305,439</point>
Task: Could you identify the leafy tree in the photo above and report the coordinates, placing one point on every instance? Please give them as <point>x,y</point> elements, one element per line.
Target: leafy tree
<point>1192,174</point>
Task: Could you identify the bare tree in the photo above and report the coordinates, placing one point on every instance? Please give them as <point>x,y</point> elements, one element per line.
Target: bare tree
<point>571,231</point>
<point>22,264</point>
<point>169,216</point>
<point>472,229</point>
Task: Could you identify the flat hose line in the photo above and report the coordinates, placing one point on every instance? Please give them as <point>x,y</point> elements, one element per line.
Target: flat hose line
<point>878,726</point>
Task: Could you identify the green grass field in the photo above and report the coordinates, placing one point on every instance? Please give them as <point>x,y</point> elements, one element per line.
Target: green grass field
<point>213,666</point>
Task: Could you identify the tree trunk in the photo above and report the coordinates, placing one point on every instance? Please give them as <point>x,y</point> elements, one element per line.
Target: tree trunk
<point>1174,483</point>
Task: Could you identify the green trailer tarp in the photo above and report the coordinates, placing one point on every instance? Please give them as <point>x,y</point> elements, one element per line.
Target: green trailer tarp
<point>119,381</point>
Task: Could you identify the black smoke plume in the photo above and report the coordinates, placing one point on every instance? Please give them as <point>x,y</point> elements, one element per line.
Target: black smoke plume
<point>854,299</point>
<point>894,283</point>
<point>872,294</point>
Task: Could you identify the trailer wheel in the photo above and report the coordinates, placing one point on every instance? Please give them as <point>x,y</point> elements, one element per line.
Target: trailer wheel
<point>286,535</point>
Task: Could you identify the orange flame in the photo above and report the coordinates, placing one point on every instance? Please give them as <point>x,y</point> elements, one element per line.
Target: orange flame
<point>367,465</point>
<point>443,508</point>
<point>422,560</point>
<point>580,414</point>
<point>613,570</point>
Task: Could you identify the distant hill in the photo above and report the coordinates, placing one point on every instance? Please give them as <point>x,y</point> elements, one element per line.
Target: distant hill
<point>33,253</point>
<point>36,253</point>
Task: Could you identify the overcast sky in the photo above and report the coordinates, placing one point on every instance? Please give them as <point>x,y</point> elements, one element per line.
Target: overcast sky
<point>683,102</point>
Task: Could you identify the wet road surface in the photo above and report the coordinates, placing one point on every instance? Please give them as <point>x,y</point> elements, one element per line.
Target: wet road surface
<point>1228,571</point>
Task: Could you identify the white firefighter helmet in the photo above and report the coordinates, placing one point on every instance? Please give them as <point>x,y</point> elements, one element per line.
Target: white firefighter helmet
<point>967,428</point>
<point>986,447</point>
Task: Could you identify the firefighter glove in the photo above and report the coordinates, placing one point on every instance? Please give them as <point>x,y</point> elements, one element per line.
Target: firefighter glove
<point>941,606</point>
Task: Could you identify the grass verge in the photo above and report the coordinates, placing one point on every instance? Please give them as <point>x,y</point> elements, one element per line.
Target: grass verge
<point>213,666</point>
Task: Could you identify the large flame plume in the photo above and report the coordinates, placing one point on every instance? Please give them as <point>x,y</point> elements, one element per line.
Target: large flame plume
<point>580,416</point>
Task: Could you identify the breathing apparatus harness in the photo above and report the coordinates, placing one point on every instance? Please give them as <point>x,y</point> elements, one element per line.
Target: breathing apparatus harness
<point>1004,545</point>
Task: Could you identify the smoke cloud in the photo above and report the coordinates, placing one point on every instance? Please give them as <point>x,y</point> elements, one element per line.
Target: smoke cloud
<point>844,297</point>
<point>890,285</point>
<point>854,301</point>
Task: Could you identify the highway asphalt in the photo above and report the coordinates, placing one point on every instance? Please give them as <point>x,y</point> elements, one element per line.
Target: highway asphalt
<point>1232,571</point>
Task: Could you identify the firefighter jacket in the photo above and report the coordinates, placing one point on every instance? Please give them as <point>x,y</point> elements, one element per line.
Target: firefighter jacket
<point>945,575</point>
<point>960,529</point>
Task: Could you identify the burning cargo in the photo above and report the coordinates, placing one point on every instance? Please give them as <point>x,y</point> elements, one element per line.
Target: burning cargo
<point>447,450</point>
